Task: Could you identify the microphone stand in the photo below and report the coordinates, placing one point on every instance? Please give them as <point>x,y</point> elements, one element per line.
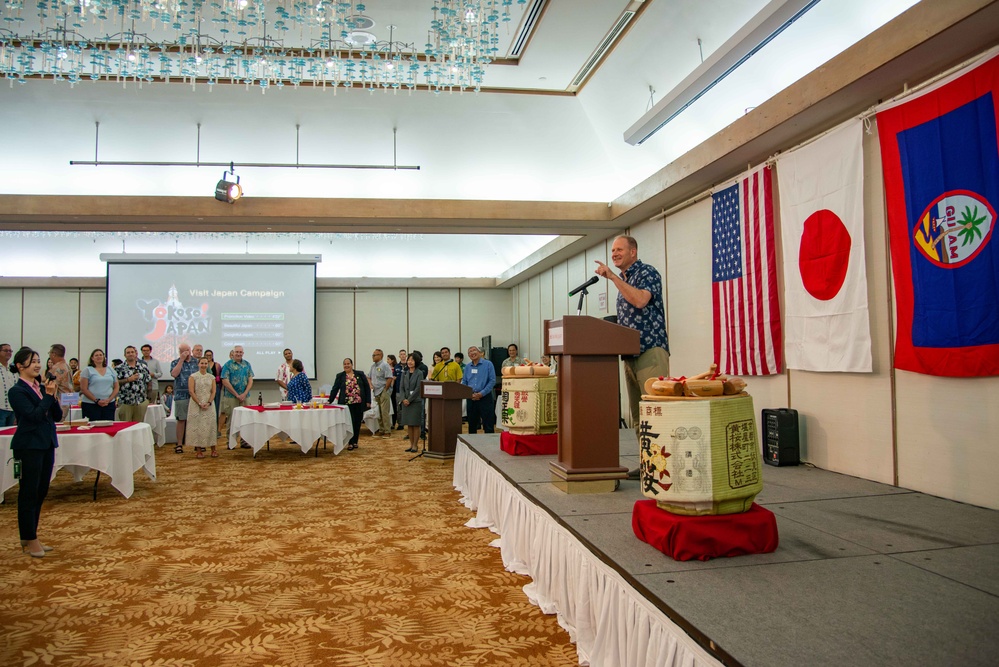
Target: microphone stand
<point>423,437</point>
<point>582,294</point>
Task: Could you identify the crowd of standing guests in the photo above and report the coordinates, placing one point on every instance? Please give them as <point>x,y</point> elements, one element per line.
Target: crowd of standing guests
<point>203,395</point>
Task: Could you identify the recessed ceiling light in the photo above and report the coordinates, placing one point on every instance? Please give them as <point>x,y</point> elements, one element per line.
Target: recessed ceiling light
<point>360,38</point>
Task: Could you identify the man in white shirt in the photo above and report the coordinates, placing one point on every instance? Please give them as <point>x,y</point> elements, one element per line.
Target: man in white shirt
<point>284,373</point>
<point>7,381</point>
<point>155,372</point>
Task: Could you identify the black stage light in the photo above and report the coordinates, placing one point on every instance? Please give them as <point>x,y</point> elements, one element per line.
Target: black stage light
<point>228,191</point>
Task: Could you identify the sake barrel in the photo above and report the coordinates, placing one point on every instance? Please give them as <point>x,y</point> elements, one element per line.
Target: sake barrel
<point>530,404</point>
<point>700,455</point>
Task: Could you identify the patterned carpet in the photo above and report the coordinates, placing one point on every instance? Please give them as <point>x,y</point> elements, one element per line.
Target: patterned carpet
<point>352,560</point>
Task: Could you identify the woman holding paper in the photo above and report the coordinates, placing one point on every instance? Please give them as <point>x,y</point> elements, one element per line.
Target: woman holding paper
<point>37,410</point>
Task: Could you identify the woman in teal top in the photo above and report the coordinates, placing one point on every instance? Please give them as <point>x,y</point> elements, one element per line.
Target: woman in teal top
<point>98,388</point>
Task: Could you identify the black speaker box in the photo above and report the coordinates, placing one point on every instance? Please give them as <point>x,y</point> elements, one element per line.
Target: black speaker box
<point>780,437</point>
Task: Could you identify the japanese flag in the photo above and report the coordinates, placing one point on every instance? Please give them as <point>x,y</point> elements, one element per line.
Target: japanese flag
<point>826,326</point>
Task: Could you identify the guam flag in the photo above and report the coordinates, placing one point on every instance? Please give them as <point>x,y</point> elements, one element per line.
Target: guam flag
<point>941,171</point>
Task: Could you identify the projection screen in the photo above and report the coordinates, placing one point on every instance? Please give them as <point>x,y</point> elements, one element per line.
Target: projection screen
<point>265,306</point>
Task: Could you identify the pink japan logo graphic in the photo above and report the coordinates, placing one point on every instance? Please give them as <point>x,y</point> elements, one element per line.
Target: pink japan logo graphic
<point>173,319</point>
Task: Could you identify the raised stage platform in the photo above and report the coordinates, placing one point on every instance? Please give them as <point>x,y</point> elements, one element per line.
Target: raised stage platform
<point>865,574</point>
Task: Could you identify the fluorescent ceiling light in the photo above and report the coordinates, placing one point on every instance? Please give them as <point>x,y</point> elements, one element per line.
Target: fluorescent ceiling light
<point>757,33</point>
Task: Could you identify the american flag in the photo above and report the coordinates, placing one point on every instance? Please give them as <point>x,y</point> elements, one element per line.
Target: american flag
<point>746,316</point>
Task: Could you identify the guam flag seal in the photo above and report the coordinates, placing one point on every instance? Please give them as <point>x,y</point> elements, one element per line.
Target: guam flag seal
<point>940,158</point>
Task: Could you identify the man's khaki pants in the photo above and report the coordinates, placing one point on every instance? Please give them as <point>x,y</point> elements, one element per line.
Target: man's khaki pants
<point>652,363</point>
<point>384,401</point>
<point>132,413</point>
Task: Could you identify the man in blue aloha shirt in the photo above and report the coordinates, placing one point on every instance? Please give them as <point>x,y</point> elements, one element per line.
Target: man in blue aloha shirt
<point>639,306</point>
<point>237,380</point>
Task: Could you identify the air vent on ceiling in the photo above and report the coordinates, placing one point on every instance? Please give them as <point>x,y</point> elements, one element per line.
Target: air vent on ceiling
<point>360,38</point>
<point>605,45</point>
<point>361,22</point>
<point>527,26</point>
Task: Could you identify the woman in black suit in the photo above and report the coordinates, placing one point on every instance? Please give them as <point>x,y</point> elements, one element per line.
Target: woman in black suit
<point>37,410</point>
<point>351,389</point>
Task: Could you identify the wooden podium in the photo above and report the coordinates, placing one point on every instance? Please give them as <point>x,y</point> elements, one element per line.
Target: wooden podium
<point>588,398</point>
<point>444,407</point>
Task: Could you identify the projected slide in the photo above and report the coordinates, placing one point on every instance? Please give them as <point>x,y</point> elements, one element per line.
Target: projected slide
<point>264,308</point>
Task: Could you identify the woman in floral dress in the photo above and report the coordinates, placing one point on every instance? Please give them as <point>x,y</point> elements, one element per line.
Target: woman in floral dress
<point>201,425</point>
<point>351,389</point>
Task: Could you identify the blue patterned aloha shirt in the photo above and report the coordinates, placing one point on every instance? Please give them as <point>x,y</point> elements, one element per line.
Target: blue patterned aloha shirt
<point>651,320</point>
<point>238,375</point>
<point>299,389</point>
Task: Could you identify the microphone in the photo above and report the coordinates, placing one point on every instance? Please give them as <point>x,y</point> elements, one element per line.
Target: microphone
<point>591,281</point>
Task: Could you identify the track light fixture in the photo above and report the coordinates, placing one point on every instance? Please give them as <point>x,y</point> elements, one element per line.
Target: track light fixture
<point>226,190</point>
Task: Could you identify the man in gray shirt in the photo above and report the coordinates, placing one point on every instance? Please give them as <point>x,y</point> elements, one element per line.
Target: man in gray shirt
<point>155,372</point>
<point>380,378</point>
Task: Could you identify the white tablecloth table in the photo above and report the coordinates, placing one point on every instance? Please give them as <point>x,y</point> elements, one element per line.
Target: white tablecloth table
<point>156,418</point>
<point>371,416</point>
<point>118,456</point>
<point>304,426</point>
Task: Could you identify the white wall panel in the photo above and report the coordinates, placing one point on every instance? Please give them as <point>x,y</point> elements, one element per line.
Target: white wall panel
<point>380,321</point>
<point>560,288</point>
<point>523,320</point>
<point>688,289</point>
<point>547,300</point>
<point>593,304</point>
<point>651,237</point>
<point>434,323</point>
<point>10,323</point>
<point>947,436</point>
<point>53,316</point>
<point>334,334</point>
<point>93,325</point>
<point>532,350</point>
<point>485,312</point>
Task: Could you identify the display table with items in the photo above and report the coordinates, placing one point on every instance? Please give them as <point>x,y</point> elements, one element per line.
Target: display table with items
<point>305,425</point>
<point>529,412</point>
<point>118,450</point>
<point>530,403</point>
<point>701,468</point>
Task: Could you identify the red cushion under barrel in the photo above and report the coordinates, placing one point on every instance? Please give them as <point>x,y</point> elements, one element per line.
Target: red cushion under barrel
<point>528,445</point>
<point>705,537</point>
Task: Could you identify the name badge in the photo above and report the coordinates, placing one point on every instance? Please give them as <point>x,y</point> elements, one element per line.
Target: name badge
<point>474,371</point>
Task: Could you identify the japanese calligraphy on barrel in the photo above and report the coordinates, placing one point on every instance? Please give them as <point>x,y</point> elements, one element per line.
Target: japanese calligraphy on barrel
<point>700,455</point>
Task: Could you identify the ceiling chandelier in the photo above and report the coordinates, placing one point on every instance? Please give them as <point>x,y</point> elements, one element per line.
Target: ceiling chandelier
<point>261,43</point>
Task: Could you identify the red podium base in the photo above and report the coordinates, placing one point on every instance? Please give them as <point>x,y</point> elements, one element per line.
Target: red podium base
<point>705,537</point>
<point>528,445</point>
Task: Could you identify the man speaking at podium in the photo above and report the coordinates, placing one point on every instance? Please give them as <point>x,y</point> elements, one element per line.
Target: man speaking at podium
<point>639,306</point>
